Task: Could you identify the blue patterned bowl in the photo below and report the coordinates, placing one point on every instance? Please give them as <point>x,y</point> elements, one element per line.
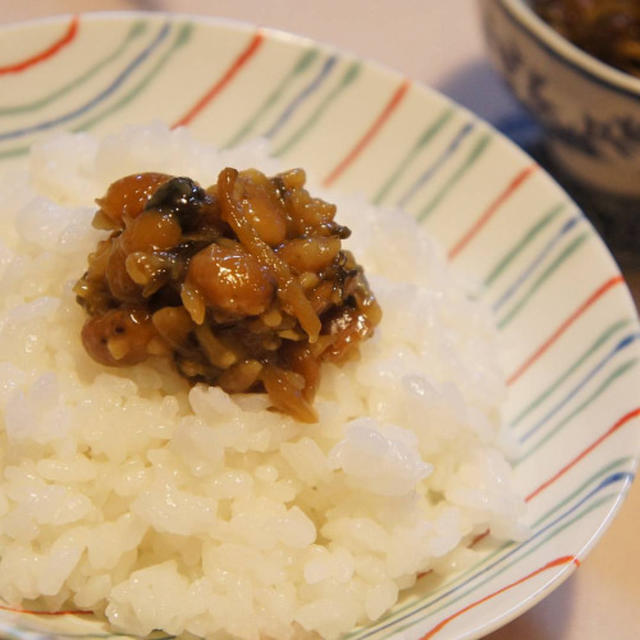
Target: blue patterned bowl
<point>560,303</point>
<point>590,112</point>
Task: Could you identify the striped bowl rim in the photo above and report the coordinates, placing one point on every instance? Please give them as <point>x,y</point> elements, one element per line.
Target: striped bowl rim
<point>566,318</point>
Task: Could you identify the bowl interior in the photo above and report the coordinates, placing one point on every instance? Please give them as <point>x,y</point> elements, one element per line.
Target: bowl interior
<point>565,316</point>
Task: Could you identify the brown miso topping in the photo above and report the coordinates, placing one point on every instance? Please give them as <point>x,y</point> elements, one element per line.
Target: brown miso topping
<point>126,197</point>
<point>231,280</point>
<point>245,284</point>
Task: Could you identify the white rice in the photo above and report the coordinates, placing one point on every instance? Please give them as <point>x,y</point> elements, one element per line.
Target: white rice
<point>163,506</point>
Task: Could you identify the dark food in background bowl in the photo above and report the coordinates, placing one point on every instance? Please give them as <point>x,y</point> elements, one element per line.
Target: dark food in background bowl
<point>588,111</point>
<point>245,285</point>
<point>607,29</point>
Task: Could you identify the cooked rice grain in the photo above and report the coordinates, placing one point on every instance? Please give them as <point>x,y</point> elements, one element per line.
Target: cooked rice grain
<point>164,506</point>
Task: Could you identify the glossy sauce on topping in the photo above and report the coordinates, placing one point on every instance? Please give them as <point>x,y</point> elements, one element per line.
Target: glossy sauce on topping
<point>244,284</point>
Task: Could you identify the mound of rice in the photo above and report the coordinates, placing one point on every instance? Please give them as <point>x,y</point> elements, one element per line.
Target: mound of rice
<point>162,506</point>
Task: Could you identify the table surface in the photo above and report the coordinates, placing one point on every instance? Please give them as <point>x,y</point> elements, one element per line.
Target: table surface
<point>439,44</point>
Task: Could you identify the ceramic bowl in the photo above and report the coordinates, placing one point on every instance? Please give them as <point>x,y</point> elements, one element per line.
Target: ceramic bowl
<point>589,111</point>
<point>561,306</point>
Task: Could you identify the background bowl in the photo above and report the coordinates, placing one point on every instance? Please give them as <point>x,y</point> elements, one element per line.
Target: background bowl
<point>567,320</point>
<point>589,111</point>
